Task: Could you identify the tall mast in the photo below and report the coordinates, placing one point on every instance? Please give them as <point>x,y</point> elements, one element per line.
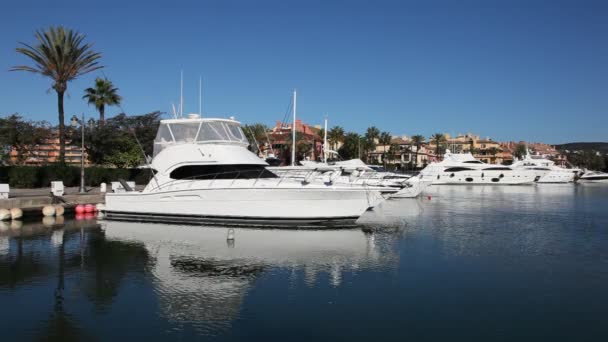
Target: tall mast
<point>200,96</point>
<point>325,141</point>
<point>293,132</point>
<point>181,93</point>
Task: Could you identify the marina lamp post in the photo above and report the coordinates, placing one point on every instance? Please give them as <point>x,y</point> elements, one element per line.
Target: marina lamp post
<point>74,123</point>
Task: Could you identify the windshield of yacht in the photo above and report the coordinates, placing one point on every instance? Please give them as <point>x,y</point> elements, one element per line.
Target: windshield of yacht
<point>187,131</point>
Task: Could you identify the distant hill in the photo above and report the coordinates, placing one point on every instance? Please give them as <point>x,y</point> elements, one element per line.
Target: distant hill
<point>602,147</point>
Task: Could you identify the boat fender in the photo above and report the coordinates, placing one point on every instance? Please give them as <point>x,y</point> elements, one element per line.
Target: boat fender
<point>5,214</point>
<point>16,213</point>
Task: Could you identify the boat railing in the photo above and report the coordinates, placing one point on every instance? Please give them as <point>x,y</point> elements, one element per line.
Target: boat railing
<point>234,175</point>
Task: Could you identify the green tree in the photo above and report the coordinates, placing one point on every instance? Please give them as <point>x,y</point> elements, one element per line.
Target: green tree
<point>417,141</point>
<point>256,134</point>
<point>439,140</point>
<point>102,95</point>
<point>471,146</point>
<point>520,151</point>
<point>369,141</point>
<point>335,135</point>
<point>21,136</point>
<point>350,148</point>
<point>588,159</point>
<point>61,55</point>
<point>385,140</point>
<point>392,153</point>
<point>114,143</point>
<point>493,151</point>
<point>287,146</point>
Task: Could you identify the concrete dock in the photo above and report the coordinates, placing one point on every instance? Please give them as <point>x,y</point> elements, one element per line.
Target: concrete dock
<point>31,201</point>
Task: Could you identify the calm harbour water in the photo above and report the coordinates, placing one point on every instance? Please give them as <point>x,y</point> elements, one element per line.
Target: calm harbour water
<point>470,263</point>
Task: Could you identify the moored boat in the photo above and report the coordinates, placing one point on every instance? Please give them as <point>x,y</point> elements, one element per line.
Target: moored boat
<point>463,168</point>
<point>204,173</point>
<point>594,177</point>
<point>545,170</point>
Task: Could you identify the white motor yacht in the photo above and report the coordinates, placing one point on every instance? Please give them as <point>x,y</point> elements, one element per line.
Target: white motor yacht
<point>204,173</point>
<point>594,177</point>
<point>546,171</point>
<point>463,168</point>
<point>355,172</point>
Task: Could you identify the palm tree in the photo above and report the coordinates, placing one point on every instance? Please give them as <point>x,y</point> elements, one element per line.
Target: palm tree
<point>439,140</point>
<point>371,135</point>
<point>392,153</point>
<point>335,135</point>
<point>372,132</point>
<point>417,140</point>
<point>103,94</point>
<point>61,55</point>
<point>520,151</point>
<point>385,139</point>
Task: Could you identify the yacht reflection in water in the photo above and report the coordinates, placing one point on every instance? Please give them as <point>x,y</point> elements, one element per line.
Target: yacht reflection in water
<point>201,275</point>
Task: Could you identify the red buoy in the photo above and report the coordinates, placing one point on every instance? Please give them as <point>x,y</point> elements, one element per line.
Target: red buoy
<point>79,209</point>
<point>89,208</point>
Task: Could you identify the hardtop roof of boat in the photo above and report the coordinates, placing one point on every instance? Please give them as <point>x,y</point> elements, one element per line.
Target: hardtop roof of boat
<point>196,130</point>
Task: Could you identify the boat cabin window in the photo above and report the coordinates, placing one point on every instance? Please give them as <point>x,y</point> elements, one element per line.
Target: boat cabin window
<point>221,172</point>
<point>472,162</point>
<point>457,169</point>
<point>197,131</point>
<point>498,168</point>
<point>595,177</point>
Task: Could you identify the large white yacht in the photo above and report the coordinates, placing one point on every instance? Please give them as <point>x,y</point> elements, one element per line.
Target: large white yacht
<point>594,177</point>
<point>204,173</point>
<point>546,171</point>
<point>463,168</point>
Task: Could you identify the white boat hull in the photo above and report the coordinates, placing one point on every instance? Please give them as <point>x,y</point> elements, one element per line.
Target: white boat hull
<point>557,176</point>
<point>485,177</point>
<point>246,205</point>
<point>416,185</point>
<point>605,181</point>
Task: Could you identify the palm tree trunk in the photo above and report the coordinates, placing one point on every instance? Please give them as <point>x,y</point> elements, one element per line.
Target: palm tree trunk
<point>416,159</point>
<point>61,127</point>
<point>384,157</point>
<point>102,117</point>
<point>437,150</point>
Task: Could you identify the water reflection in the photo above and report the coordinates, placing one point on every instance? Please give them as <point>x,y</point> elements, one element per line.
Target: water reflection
<point>200,275</point>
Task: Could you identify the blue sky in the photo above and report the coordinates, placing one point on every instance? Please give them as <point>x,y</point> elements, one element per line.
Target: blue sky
<point>511,70</point>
